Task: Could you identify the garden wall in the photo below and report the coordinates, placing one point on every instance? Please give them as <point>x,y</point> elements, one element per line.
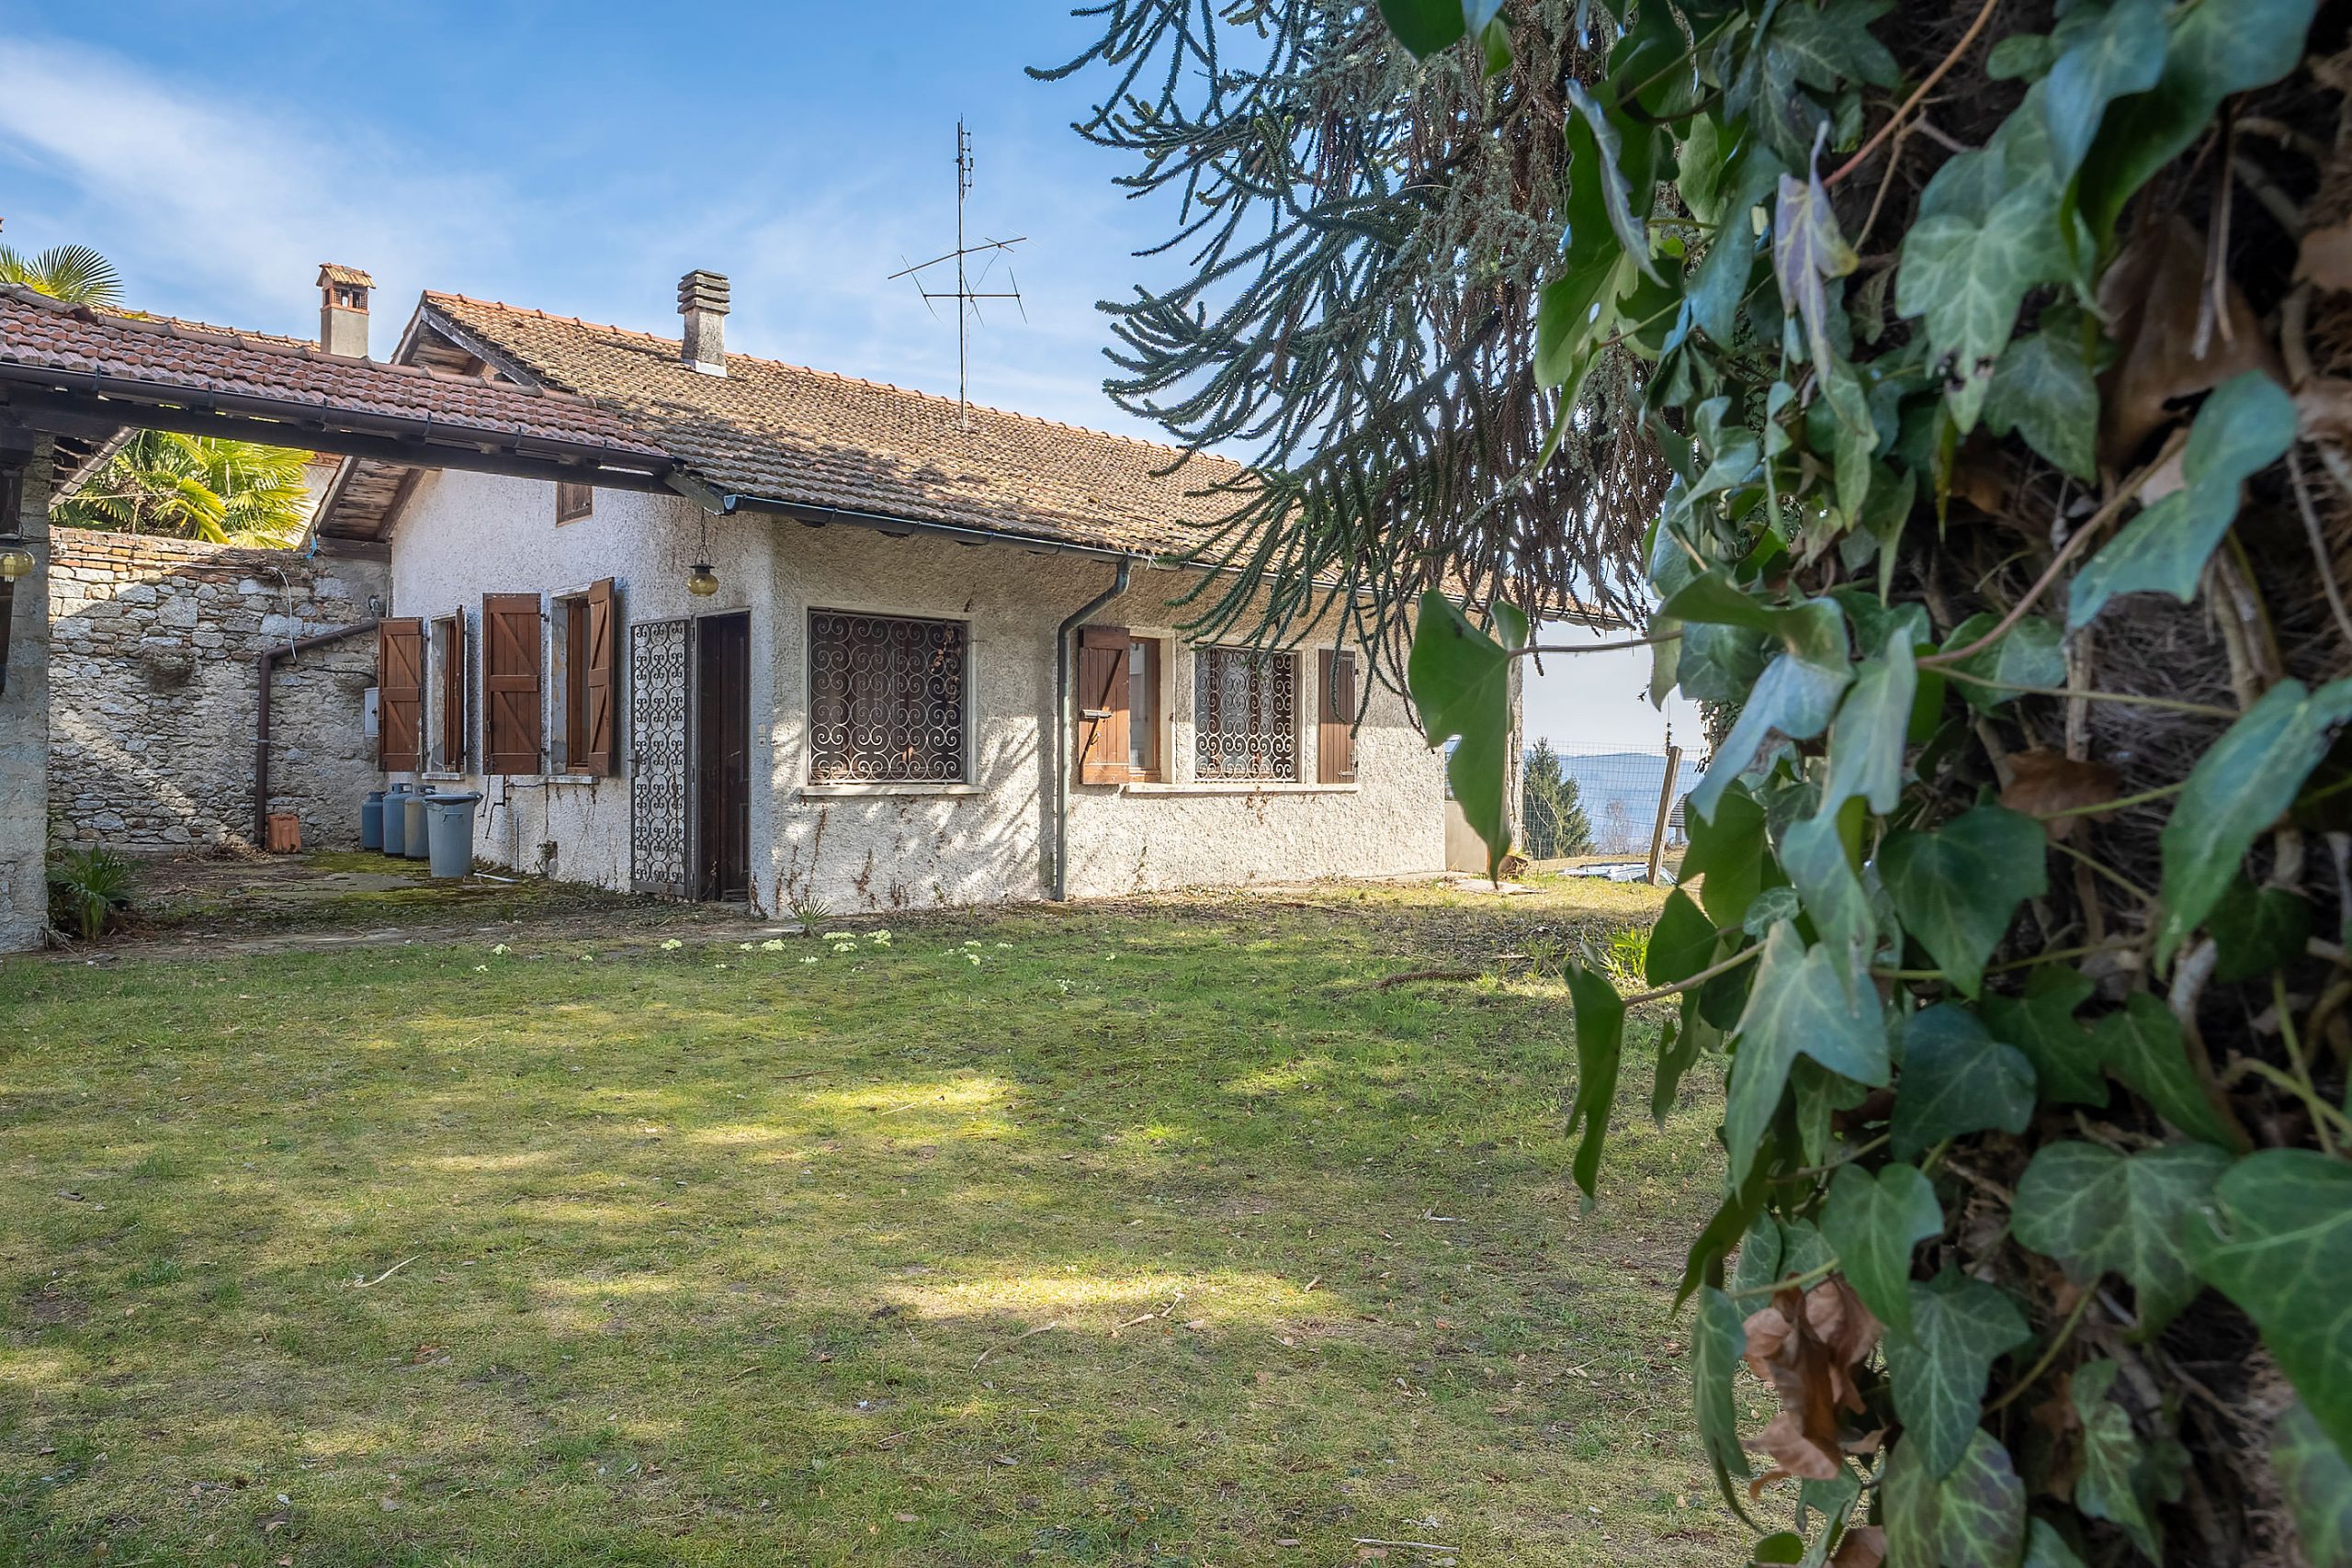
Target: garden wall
<point>153,693</point>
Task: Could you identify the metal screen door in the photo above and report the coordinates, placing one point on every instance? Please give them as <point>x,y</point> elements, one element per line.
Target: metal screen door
<point>658,682</point>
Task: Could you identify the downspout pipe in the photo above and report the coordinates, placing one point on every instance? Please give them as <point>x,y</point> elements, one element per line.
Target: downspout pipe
<point>1062,724</point>
<point>268,663</point>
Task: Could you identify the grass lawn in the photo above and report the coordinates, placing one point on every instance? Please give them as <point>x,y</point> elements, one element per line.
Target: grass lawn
<point>1150,1235</point>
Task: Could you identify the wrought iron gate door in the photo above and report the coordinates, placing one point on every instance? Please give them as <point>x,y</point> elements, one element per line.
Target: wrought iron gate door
<point>657,739</point>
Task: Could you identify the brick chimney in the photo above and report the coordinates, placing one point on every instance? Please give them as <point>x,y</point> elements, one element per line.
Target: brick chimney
<point>343,310</point>
<point>702,300</point>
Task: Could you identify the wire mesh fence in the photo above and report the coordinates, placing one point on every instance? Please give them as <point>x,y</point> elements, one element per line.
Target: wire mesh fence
<point>1609,801</point>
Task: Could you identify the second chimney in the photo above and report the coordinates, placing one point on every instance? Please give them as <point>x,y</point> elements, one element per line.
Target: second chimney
<point>702,300</point>
<point>343,310</point>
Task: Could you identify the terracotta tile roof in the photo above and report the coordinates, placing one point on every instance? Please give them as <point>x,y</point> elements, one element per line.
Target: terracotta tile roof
<point>336,272</point>
<point>809,437</point>
<point>172,360</point>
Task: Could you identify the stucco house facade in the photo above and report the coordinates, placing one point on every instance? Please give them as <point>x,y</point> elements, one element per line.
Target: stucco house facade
<point>861,645</point>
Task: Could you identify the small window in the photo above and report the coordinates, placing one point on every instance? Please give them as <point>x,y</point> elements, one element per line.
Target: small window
<point>1245,714</point>
<point>451,716</point>
<point>573,501</point>
<point>887,696</point>
<point>588,625</point>
<point>1143,707</point>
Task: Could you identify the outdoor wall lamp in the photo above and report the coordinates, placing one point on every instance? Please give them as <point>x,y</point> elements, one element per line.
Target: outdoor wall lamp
<point>701,581</point>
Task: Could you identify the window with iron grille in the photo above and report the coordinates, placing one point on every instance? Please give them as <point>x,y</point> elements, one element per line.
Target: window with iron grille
<point>1245,714</point>
<point>886,699</point>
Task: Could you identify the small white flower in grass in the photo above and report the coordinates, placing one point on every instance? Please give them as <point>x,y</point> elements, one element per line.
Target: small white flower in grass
<point>718,966</point>
<point>773,944</point>
<point>845,947</point>
<point>1005,945</point>
<point>587,958</point>
<point>742,947</point>
<point>672,945</point>
<point>481,968</point>
<point>973,941</point>
<point>838,936</point>
<point>881,936</point>
<point>810,959</point>
<point>975,959</point>
<point>501,949</point>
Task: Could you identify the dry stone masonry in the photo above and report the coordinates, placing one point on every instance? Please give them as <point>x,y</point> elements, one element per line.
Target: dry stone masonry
<point>153,669</point>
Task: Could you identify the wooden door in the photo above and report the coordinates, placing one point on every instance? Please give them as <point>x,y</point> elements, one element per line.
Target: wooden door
<point>723,757</point>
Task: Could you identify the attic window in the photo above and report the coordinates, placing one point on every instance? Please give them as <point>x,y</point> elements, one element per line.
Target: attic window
<point>573,501</point>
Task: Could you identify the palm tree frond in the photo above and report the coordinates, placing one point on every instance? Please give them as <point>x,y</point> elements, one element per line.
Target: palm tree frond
<point>75,274</point>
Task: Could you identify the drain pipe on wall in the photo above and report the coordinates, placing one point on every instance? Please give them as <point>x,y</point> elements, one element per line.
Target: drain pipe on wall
<point>1062,723</point>
<point>268,663</point>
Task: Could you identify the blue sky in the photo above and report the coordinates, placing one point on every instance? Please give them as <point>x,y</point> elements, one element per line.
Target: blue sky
<point>577,158</point>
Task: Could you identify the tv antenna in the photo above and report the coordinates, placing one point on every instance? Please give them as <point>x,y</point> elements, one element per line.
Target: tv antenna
<point>968,293</point>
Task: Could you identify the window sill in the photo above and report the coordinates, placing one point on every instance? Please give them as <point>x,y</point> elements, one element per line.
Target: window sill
<point>577,778</point>
<point>1241,787</point>
<point>853,791</point>
<point>438,777</point>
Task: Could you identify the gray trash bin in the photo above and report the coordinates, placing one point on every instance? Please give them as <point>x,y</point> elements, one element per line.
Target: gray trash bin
<point>449,824</point>
<point>395,819</point>
<point>413,843</point>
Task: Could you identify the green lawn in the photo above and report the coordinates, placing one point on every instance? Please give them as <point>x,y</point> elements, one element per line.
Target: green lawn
<point>1151,1236</point>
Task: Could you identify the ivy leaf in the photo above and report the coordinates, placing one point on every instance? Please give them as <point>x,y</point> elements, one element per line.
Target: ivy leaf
<point>2318,1484</point>
<point>1425,26</point>
<point>1800,1006</point>
<point>1677,1048</point>
<point>1960,1327</point>
<point>2258,929</point>
<point>2215,51</point>
<point>1874,1221</point>
<point>1830,44</point>
<point>2031,653</point>
<point>2045,1547</point>
<point>1813,855</point>
<point>2122,52</point>
<point>2243,428</point>
<point>2043,390</point>
<point>1718,1338</point>
<point>2111,1486</point>
<point>2099,1212</point>
<point>1715,290</point>
<point>2142,1045</point>
<point>2236,791</point>
<point>1866,738</point>
<point>1808,252</point>
<point>1957,889</point>
<point>1966,281</point>
<point>1731,857</point>
<point>1617,196</point>
<point>1795,697</point>
<point>1980,1515</point>
<point>1956,1079</point>
<point>2042,1024</point>
<point>1601,1047</point>
<point>1682,942</point>
<point>1460,679</point>
<point>1578,308</point>
<point>2282,1250</point>
<point>1720,663</point>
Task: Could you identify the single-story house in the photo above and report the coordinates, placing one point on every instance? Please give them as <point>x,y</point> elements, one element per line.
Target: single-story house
<point>862,645</point>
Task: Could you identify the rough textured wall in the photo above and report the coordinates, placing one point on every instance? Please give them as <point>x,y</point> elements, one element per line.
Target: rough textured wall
<point>155,691</point>
<point>462,535</point>
<point>24,727</point>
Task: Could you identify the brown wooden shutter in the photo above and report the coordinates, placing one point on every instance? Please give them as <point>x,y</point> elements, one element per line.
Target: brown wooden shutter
<point>512,662</point>
<point>1102,705</point>
<point>1335,738</point>
<point>457,720</point>
<point>595,744</point>
<point>400,696</point>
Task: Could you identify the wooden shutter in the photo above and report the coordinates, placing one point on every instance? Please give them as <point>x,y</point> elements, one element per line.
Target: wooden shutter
<point>512,663</point>
<point>456,719</point>
<point>400,696</point>
<point>595,742</point>
<point>1102,705</point>
<point>1335,737</point>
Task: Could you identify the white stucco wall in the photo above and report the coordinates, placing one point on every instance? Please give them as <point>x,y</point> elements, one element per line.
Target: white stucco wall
<point>898,846</point>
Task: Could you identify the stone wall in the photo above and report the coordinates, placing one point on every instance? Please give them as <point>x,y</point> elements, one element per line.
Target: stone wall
<point>154,668</point>
<point>24,706</point>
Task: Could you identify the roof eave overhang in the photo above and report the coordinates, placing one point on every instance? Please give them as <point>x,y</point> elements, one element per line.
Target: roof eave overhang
<point>727,503</point>
<point>84,403</point>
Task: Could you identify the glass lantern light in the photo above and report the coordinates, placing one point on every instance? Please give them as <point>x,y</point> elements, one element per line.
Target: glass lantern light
<point>701,581</point>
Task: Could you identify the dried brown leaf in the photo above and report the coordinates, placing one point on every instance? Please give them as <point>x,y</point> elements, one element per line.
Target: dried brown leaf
<point>2323,409</point>
<point>2325,258</point>
<point>1807,1350</point>
<point>2152,295</point>
<point>2042,781</point>
<point>1864,1546</point>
